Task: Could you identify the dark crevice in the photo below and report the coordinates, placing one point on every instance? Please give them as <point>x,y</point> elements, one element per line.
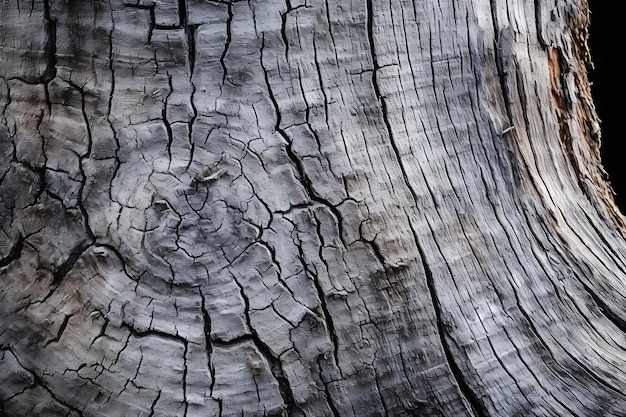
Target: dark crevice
<point>139,334</point>
<point>305,180</point>
<point>618,321</point>
<point>66,266</point>
<point>62,270</point>
<point>386,120</point>
<point>615,319</point>
<point>274,362</point>
<point>283,30</point>
<point>321,83</point>
<point>152,25</point>
<point>504,44</point>
<point>381,98</point>
<point>115,251</point>
<point>166,123</point>
<point>83,182</point>
<point>370,36</point>
<point>182,13</point>
<point>328,318</point>
<point>190,32</point>
<point>478,408</point>
<point>166,27</point>
<point>207,340</point>
<point>235,340</point>
<point>15,253</point>
<point>38,381</point>
<point>329,396</point>
<point>538,23</point>
<point>277,371</point>
<point>139,6</point>
<point>375,248</point>
<point>61,330</point>
<point>50,49</point>
<point>229,21</point>
<point>103,329</point>
<point>154,403</point>
<point>46,92</point>
<point>150,10</point>
<point>184,377</point>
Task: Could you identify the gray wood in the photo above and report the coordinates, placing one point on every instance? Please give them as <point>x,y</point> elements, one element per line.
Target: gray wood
<point>249,208</point>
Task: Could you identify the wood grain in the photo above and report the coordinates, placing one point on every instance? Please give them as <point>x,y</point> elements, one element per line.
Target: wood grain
<point>266,208</point>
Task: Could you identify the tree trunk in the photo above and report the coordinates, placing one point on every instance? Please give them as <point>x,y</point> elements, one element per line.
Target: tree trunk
<point>328,208</point>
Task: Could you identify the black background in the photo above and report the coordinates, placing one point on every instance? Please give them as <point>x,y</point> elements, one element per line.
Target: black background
<point>607,42</point>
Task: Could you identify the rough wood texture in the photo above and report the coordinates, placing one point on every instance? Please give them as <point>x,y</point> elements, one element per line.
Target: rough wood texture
<point>327,208</point>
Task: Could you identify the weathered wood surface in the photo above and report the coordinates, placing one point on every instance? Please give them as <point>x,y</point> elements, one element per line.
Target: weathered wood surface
<point>247,208</point>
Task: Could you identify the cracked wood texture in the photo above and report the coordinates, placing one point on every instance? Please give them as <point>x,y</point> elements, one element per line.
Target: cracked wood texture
<point>318,208</point>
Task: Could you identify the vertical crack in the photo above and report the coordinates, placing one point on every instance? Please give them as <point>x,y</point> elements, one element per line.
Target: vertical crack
<point>275,364</point>
<point>539,24</point>
<point>475,402</point>
<point>185,369</point>
<point>305,180</point>
<point>330,31</point>
<point>50,49</point>
<point>283,29</point>
<point>207,341</point>
<point>329,396</point>
<point>80,202</point>
<point>229,21</point>
<point>166,123</point>
<point>190,32</point>
<point>111,94</point>
<point>325,311</point>
<point>182,13</point>
<point>277,371</point>
<point>152,26</point>
<point>370,38</point>
<point>383,103</point>
<point>320,80</point>
<point>154,403</point>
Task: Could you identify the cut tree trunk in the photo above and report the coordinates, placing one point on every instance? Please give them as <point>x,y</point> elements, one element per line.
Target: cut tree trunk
<point>328,208</point>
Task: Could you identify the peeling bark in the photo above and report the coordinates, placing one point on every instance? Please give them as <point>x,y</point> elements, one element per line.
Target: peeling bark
<point>244,208</point>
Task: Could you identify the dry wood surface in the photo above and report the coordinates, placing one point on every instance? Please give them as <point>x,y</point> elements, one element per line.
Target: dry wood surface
<point>305,208</point>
